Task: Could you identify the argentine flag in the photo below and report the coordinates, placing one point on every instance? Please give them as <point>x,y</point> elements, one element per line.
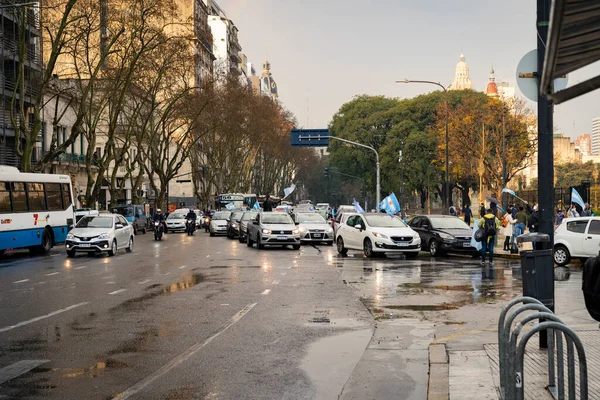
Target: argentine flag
<point>230,206</point>
<point>390,204</point>
<point>576,198</point>
<point>256,206</point>
<point>357,206</point>
<point>288,191</point>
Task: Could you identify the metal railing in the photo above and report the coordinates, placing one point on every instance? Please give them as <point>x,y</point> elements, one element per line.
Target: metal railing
<point>511,351</point>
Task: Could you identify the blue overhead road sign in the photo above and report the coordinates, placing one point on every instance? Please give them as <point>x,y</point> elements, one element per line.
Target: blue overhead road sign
<point>310,137</point>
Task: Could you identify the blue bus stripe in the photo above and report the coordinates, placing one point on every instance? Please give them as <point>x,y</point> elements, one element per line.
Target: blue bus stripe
<point>30,237</point>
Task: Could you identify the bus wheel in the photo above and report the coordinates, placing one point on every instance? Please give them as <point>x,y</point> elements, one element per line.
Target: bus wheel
<point>46,244</point>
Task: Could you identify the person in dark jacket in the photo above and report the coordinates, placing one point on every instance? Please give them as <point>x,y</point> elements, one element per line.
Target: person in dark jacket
<point>533,221</point>
<point>468,214</point>
<point>268,204</point>
<point>494,208</point>
<point>481,211</point>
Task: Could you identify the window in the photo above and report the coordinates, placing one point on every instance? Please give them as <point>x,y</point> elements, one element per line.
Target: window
<point>415,222</point>
<point>4,197</point>
<point>359,221</point>
<point>19,198</point>
<point>35,197</point>
<point>351,220</point>
<point>54,197</point>
<point>577,226</point>
<point>81,144</point>
<point>66,192</point>
<point>594,227</point>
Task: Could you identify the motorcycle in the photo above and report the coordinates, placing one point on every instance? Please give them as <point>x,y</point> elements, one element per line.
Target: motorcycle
<point>158,230</point>
<point>206,224</point>
<point>190,226</point>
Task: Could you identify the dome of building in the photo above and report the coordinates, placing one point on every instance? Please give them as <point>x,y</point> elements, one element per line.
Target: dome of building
<point>461,77</point>
<point>492,88</point>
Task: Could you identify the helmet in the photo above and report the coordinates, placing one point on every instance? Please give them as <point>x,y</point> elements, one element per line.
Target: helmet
<point>158,210</point>
<point>191,210</point>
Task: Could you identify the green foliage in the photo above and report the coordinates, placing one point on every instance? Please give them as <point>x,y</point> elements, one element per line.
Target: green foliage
<point>572,174</point>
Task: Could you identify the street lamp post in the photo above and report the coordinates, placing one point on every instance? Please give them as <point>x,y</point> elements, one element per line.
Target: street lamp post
<point>446,182</point>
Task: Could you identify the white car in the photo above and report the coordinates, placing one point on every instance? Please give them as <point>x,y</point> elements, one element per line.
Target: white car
<point>82,212</point>
<point>218,223</point>
<point>313,228</point>
<point>376,233</point>
<point>576,238</point>
<point>176,221</point>
<point>98,233</point>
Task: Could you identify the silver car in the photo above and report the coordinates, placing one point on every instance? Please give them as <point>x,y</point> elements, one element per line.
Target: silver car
<point>176,222</point>
<point>313,228</point>
<point>273,228</point>
<point>218,223</point>
<point>98,233</point>
<point>247,218</point>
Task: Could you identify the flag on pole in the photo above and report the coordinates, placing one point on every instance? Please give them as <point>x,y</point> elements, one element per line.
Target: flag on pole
<point>390,204</point>
<point>288,191</point>
<point>511,192</point>
<point>256,206</point>
<point>230,206</point>
<point>357,206</point>
<point>576,198</point>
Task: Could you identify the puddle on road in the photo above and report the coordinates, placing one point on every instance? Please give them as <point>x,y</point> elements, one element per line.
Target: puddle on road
<point>235,266</point>
<point>419,307</point>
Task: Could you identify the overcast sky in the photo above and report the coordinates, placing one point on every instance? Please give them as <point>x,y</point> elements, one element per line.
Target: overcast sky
<point>328,51</point>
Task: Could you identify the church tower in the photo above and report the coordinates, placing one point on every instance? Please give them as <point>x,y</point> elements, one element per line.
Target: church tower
<point>461,78</point>
<point>492,89</point>
<point>268,87</point>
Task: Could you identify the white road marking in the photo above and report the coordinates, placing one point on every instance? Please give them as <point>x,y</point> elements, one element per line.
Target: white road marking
<point>118,291</point>
<point>183,267</point>
<point>41,283</point>
<point>82,267</point>
<point>267,291</point>
<point>208,256</point>
<point>284,273</point>
<point>111,283</point>
<point>165,274</point>
<point>19,368</point>
<point>53,313</point>
<point>144,281</point>
<point>54,255</point>
<point>180,358</point>
<point>22,281</point>
<point>118,258</point>
<point>290,267</point>
<point>276,282</point>
<point>224,304</point>
<point>53,273</point>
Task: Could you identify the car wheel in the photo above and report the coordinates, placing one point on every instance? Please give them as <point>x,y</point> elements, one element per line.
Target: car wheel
<point>129,248</point>
<point>135,230</point>
<point>296,247</point>
<point>71,253</point>
<point>144,230</point>
<point>259,245</point>
<point>330,243</point>
<point>561,255</point>
<point>412,255</point>
<point>241,239</point>
<point>113,249</point>
<point>368,248</point>
<point>340,246</point>
<point>249,241</point>
<point>212,234</point>
<point>434,249</point>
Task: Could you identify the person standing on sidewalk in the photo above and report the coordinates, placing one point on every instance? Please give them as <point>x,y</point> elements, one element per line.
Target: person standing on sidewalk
<point>587,212</point>
<point>490,225</point>
<point>468,215</point>
<point>508,224</point>
<point>481,211</point>
<point>520,223</point>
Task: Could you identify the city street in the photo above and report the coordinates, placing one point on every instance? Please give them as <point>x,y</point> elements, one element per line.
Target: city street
<point>201,317</point>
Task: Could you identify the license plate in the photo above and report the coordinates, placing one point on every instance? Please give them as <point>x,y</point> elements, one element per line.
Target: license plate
<point>317,235</point>
<point>281,237</point>
<point>466,244</point>
<point>402,244</point>
<point>85,245</point>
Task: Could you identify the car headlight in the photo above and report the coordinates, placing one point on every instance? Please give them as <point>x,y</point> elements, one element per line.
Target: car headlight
<point>234,225</point>
<point>70,236</point>
<point>266,231</point>
<point>301,229</point>
<point>330,230</point>
<point>379,235</point>
<point>296,231</point>
<point>103,236</point>
<point>447,237</point>
<point>416,235</point>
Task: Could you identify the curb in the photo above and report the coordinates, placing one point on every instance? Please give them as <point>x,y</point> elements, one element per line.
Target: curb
<point>438,387</point>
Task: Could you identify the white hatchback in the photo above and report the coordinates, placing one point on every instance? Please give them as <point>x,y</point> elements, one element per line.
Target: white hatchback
<point>576,238</point>
<point>376,233</point>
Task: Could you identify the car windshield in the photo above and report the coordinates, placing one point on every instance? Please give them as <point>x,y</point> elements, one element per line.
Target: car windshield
<point>176,216</point>
<point>236,216</point>
<point>310,218</point>
<point>95,222</point>
<point>124,211</point>
<point>448,223</point>
<point>249,215</point>
<point>277,218</point>
<point>384,221</point>
<point>222,215</point>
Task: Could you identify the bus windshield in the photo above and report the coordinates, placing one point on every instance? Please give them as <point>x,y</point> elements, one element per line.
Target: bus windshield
<point>95,222</point>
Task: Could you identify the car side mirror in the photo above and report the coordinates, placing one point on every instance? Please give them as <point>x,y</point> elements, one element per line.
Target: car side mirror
<point>426,227</point>
<point>359,227</point>
<point>118,226</point>
<point>254,222</point>
<point>297,223</point>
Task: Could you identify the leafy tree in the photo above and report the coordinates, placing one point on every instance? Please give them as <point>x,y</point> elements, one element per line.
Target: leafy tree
<point>573,174</point>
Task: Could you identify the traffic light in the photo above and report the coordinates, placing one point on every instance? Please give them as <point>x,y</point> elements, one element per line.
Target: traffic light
<point>326,173</point>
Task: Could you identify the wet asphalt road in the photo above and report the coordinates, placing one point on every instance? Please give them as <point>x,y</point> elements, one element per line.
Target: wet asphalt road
<point>201,317</point>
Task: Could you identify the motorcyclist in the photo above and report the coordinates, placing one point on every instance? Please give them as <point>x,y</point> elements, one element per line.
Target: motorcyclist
<point>192,215</point>
<point>160,217</point>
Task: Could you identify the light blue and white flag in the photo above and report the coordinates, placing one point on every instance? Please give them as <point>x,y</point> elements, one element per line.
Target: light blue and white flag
<point>357,206</point>
<point>256,206</point>
<point>288,191</point>
<point>511,192</point>
<point>576,198</point>
<point>230,206</point>
<point>390,204</point>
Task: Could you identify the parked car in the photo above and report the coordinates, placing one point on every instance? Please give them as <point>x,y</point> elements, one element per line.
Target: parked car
<point>247,218</point>
<point>313,228</point>
<point>344,209</point>
<point>442,234</point>
<point>376,233</point>
<point>233,224</point>
<point>135,215</point>
<point>218,223</point>
<point>176,221</point>
<point>100,233</point>
<point>576,238</point>
<point>273,228</point>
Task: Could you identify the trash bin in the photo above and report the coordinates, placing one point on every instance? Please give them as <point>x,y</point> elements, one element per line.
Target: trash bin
<point>537,268</point>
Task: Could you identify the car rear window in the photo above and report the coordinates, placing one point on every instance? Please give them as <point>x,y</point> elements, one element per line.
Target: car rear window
<point>577,226</point>
<point>594,227</point>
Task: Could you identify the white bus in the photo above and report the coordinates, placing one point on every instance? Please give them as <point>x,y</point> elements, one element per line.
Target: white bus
<point>36,210</point>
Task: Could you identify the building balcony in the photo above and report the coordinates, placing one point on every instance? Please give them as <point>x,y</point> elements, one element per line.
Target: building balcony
<point>9,48</point>
<point>69,158</point>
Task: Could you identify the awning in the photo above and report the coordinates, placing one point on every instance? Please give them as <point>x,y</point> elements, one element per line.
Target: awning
<point>573,43</point>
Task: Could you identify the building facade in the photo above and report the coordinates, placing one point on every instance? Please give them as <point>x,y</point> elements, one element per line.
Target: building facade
<point>596,137</point>
<point>461,77</point>
<point>565,151</point>
<point>226,47</point>
<point>584,143</point>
